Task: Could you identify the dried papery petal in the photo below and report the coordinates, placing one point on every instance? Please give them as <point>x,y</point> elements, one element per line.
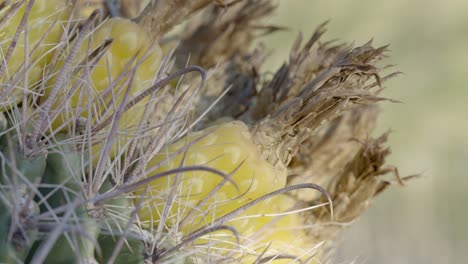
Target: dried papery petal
<point>231,88</point>
<point>218,33</point>
<point>354,189</point>
<point>323,156</point>
<point>322,99</point>
<point>220,37</point>
<point>160,16</point>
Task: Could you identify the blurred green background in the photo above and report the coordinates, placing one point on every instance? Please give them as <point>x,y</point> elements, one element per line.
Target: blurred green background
<point>426,221</point>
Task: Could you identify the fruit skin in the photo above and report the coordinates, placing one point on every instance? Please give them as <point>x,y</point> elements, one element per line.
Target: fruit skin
<point>224,148</point>
<point>129,40</point>
<point>261,228</point>
<point>47,20</point>
<point>287,234</point>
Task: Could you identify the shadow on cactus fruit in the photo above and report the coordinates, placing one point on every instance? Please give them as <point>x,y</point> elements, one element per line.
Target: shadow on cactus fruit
<point>112,152</point>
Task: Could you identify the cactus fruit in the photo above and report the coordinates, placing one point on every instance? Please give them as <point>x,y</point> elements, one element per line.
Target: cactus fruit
<point>128,41</point>
<point>228,148</point>
<point>107,155</point>
<point>46,20</point>
<point>130,48</point>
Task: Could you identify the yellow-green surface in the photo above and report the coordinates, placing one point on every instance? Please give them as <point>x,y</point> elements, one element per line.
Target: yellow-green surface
<point>424,222</point>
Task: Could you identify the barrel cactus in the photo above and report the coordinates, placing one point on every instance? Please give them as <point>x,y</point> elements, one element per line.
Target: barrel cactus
<point>125,141</point>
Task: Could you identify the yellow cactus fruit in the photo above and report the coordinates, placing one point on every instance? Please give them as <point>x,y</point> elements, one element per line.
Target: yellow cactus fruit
<point>45,27</point>
<point>129,41</point>
<point>227,148</point>
<point>266,228</point>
